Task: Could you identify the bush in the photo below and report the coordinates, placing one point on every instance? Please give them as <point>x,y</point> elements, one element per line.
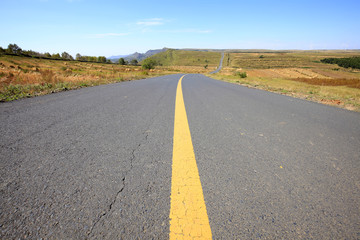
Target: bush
<point>241,74</point>
<point>353,62</point>
<point>122,61</point>
<point>134,62</point>
<point>149,63</point>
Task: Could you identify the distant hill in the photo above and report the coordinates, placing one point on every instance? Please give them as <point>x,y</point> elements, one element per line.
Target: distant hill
<point>142,56</point>
<point>191,57</point>
<point>138,56</point>
<point>116,58</point>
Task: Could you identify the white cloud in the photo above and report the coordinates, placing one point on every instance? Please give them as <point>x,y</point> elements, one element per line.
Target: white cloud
<point>151,22</point>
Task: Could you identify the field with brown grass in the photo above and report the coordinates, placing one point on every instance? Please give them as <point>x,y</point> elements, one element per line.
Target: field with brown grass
<point>25,77</point>
<point>190,59</point>
<point>297,73</point>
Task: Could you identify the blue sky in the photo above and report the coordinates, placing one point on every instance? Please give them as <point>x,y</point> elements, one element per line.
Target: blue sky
<point>116,27</point>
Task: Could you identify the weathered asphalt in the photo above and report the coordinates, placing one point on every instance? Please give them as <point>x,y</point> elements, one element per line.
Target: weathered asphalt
<point>242,137</point>
<point>95,163</point>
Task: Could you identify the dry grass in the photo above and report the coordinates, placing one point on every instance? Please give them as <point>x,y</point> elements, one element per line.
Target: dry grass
<point>284,59</point>
<point>25,77</point>
<point>342,96</point>
<point>352,83</point>
<point>188,58</point>
<point>297,73</point>
<point>187,69</point>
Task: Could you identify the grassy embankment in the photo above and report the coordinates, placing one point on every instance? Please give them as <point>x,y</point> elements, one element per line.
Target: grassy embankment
<point>186,61</point>
<point>296,73</point>
<point>25,77</point>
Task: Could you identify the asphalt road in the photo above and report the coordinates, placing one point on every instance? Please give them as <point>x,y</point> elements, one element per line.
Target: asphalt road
<point>95,163</point>
<point>220,65</point>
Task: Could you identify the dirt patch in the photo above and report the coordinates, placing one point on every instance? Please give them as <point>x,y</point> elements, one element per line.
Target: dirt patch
<point>263,73</point>
<point>334,73</point>
<point>297,73</point>
<point>331,102</point>
<point>354,83</point>
<point>285,73</point>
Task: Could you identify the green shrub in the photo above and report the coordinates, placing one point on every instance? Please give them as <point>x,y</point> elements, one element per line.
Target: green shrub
<point>241,74</point>
<point>149,63</point>
<point>352,62</point>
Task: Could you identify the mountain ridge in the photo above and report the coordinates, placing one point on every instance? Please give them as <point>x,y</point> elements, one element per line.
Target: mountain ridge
<point>138,56</point>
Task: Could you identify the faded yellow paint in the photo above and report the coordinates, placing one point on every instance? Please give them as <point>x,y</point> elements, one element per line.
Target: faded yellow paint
<point>188,216</point>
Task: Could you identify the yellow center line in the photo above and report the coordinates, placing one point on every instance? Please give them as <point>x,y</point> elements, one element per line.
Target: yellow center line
<point>188,216</point>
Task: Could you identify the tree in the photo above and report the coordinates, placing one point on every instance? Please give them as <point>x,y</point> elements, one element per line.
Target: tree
<point>78,57</point>
<point>48,55</point>
<point>101,59</point>
<point>2,51</point>
<point>134,62</point>
<point>91,59</point>
<point>56,56</point>
<point>66,56</point>
<point>122,61</point>
<point>14,49</point>
<point>149,63</point>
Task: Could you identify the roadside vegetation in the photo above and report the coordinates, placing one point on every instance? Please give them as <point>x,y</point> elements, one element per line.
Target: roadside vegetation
<point>329,77</point>
<point>353,62</point>
<point>22,76</point>
<point>301,74</point>
<point>15,50</point>
<point>26,73</point>
<point>172,57</point>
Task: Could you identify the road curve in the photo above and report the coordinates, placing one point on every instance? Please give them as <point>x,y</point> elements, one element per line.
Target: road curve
<point>97,162</point>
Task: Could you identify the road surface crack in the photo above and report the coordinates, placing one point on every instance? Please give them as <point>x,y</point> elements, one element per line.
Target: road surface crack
<point>144,139</point>
<point>108,209</point>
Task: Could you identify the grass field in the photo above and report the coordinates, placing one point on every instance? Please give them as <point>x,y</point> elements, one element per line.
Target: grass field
<point>188,58</point>
<point>25,77</point>
<point>296,73</point>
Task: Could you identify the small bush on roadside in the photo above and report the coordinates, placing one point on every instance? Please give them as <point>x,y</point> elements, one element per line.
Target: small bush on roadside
<point>149,64</point>
<point>241,74</point>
